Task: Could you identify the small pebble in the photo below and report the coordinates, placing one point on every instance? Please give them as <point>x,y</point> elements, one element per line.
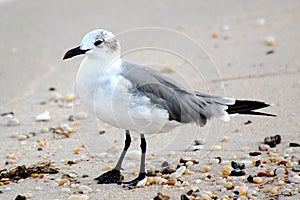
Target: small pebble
<point>224,139</point>
<point>214,161</point>
<point>243,191</point>
<point>280,183</point>
<point>226,170</point>
<point>63,182</point>
<point>38,188</point>
<point>273,190</point>
<point>23,137</point>
<point>206,169</point>
<point>189,163</point>
<point>248,122</point>
<point>216,148</point>
<point>13,122</point>
<point>71,118</point>
<point>256,180</point>
<point>270,41</point>
<point>264,147</point>
<point>237,172</point>
<point>215,35</point>
<point>229,186</point>
<point>45,116</point>
<point>165,164</point>
<point>77,150</point>
<point>254,153</point>
<point>198,181</point>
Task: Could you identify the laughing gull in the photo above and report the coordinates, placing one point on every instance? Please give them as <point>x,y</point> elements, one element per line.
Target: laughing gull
<point>137,98</point>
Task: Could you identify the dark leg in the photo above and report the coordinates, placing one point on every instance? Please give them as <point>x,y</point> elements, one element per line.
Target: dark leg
<point>114,176</point>
<point>142,173</point>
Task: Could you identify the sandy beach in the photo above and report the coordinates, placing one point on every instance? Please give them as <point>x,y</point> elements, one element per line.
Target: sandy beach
<point>244,50</point>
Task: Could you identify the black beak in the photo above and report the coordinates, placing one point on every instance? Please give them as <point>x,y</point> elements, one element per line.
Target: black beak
<point>74,52</point>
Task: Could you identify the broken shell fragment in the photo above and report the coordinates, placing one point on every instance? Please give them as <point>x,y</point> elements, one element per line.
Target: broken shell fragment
<point>178,172</point>
<point>45,116</point>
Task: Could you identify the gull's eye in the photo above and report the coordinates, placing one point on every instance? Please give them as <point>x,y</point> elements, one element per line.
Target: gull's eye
<point>98,42</point>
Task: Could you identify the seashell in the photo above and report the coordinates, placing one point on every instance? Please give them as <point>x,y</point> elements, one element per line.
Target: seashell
<point>45,116</point>
<point>178,172</point>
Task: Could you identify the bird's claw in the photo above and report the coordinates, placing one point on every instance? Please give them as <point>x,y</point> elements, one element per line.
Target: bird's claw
<point>139,181</point>
<point>113,176</point>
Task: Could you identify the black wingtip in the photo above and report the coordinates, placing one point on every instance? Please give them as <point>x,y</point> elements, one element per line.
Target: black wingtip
<point>247,107</point>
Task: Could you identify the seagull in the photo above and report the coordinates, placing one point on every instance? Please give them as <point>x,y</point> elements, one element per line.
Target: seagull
<point>137,98</point>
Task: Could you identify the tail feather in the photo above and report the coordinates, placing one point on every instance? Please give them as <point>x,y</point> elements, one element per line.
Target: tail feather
<point>247,107</point>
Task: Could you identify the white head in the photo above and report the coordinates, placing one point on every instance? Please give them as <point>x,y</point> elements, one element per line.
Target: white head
<point>97,43</point>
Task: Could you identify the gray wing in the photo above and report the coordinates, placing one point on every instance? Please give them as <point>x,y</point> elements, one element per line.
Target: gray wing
<point>183,106</point>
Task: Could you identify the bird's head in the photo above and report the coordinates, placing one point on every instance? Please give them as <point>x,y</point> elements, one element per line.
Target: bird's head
<point>96,43</point>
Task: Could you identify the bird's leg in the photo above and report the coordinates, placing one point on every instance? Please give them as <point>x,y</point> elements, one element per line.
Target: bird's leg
<point>142,174</point>
<point>114,176</point>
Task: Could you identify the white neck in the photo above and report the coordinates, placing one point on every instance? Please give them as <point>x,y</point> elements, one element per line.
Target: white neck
<point>91,68</point>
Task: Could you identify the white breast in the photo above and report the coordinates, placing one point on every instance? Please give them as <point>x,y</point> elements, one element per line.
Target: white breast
<point>105,92</point>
